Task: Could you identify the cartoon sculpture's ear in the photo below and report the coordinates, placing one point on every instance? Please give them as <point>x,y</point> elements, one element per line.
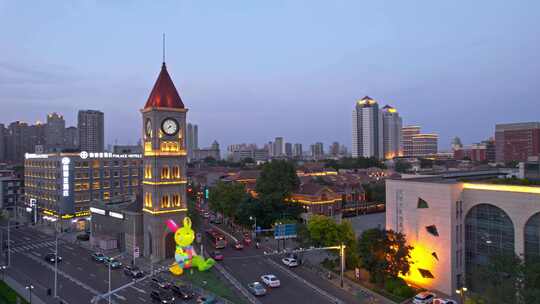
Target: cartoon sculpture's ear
<point>187,222</point>
<point>172,225</point>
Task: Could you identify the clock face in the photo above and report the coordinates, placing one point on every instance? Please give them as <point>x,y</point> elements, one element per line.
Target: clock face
<point>148,128</point>
<point>169,126</point>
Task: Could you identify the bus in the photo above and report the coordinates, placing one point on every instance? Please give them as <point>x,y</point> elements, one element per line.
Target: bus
<point>217,240</point>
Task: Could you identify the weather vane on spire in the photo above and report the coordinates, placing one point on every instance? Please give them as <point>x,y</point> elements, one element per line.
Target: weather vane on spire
<point>163,48</point>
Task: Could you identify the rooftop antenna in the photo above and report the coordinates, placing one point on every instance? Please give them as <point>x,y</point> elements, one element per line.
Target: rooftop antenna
<point>163,48</point>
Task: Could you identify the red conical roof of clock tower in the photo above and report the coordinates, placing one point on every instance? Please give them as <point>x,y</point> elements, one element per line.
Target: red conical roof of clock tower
<point>164,93</point>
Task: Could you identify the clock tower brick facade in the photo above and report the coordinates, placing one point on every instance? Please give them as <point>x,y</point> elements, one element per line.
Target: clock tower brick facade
<point>164,180</point>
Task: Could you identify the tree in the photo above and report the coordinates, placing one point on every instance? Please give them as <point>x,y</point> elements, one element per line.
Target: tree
<point>277,181</point>
<point>323,231</point>
<point>375,192</point>
<point>355,163</point>
<point>226,197</point>
<point>402,166</point>
<point>384,253</point>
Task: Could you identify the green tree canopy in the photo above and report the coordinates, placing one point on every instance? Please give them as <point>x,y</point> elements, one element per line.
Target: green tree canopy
<point>277,181</point>
<point>384,253</point>
<point>226,197</point>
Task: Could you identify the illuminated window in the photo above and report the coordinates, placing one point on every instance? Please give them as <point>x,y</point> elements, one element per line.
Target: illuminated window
<point>426,274</point>
<point>432,230</point>
<point>148,171</point>
<point>422,203</point>
<point>106,195</point>
<point>95,185</point>
<point>95,164</point>
<point>169,146</point>
<point>176,172</point>
<point>176,200</point>
<point>165,201</point>
<point>147,146</point>
<point>165,174</point>
<point>148,200</point>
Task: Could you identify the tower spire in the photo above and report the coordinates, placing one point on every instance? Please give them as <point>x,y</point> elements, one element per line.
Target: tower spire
<point>163,48</point>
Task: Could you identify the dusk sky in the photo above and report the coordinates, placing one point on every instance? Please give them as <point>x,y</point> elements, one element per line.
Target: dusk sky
<point>252,70</point>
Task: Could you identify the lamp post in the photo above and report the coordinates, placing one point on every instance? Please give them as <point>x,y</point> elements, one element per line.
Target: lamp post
<point>3,269</point>
<point>252,218</point>
<point>461,292</point>
<point>30,287</point>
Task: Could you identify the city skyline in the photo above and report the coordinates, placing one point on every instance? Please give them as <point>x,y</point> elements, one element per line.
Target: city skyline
<point>270,72</point>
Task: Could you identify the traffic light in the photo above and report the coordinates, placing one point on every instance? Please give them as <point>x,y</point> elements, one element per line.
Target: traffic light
<point>206,193</point>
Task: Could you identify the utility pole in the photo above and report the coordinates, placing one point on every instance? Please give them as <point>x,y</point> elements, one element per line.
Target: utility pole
<point>342,259</point>
<point>56,262</point>
<point>134,240</point>
<point>9,244</point>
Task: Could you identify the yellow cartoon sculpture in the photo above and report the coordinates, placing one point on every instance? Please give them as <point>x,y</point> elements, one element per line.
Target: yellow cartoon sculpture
<point>185,255</point>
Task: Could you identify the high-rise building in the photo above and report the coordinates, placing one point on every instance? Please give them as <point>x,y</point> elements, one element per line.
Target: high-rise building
<point>425,144</point>
<point>278,146</point>
<point>317,151</point>
<point>334,149</point>
<point>192,139</point>
<point>517,141</point>
<point>91,130</point>
<point>164,161</point>
<point>456,144</point>
<point>407,134</point>
<point>367,129</point>
<point>297,150</point>
<point>270,147</point>
<point>36,137</point>
<point>72,138</point>
<point>55,137</point>
<point>288,149</point>
<point>391,132</point>
<point>3,145</point>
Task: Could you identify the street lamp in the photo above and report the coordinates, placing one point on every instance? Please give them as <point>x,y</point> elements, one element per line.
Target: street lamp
<point>461,292</point>
<point>3,269</point>
<point>30,287</point>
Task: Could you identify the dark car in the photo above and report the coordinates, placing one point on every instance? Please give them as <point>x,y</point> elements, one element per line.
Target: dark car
<point>133,272</point>
<point>217,255</point>
<point>238,246</point>
<point>49,257</point>
<point>83,237</point>
<point>162,297</point>
<point>114,263</point>
<point>184,292</point>
<point>160,283</point>
<point>98,256</point>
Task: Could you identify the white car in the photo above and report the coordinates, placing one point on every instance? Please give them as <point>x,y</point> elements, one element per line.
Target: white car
<point>425,297</point>
<point>270,280</point>
<point>291,262</point>
<point>444,301</point>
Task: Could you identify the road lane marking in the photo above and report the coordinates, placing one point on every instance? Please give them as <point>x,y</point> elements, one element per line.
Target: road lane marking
<point>141,299</point>
<point>36,253</point>
<point>92,275</point>
<point>120,297</point>
<point>138,289</point>
<point>80,268</point>
<point>70,248</point>
<point>27,238</point>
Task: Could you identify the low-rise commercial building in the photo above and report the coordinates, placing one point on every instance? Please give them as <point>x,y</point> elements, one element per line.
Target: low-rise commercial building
<point>457,221</point>
<point>62,185</point>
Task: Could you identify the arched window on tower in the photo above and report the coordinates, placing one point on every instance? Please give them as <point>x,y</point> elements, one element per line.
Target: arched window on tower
<point>176,200</point>
<point>165,174</point>
<point>176,172</point>
<point>165,201</point>
<point>169,146</point>
<point>148,171</point>
<point>148,200</point>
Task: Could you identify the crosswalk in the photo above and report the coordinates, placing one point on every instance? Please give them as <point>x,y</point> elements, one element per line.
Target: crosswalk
<point>30,246</point>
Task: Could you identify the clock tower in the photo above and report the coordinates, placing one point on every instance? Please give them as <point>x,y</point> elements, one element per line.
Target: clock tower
<point>164,180</point>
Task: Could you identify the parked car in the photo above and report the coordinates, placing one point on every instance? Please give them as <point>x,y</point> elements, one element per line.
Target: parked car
<point>238,246</point>
<point>270,280</point>
<point>444,301</point>
<point>217,255</point>
<point>160,283</point>
<point>291,262</point>
<point>425,297</point>
<point>83,237</point>
<point>134,272</point>
<point>257,289</point>
<point>98,257</point>
<point>115,264</point>
<point>161,297</point>
<point>184,292</point>
<point>207,300</point>
<point>49,257</point>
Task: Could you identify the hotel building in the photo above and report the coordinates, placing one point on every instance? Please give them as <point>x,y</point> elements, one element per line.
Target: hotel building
<point>61,185</point>
<point>457,221</point>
